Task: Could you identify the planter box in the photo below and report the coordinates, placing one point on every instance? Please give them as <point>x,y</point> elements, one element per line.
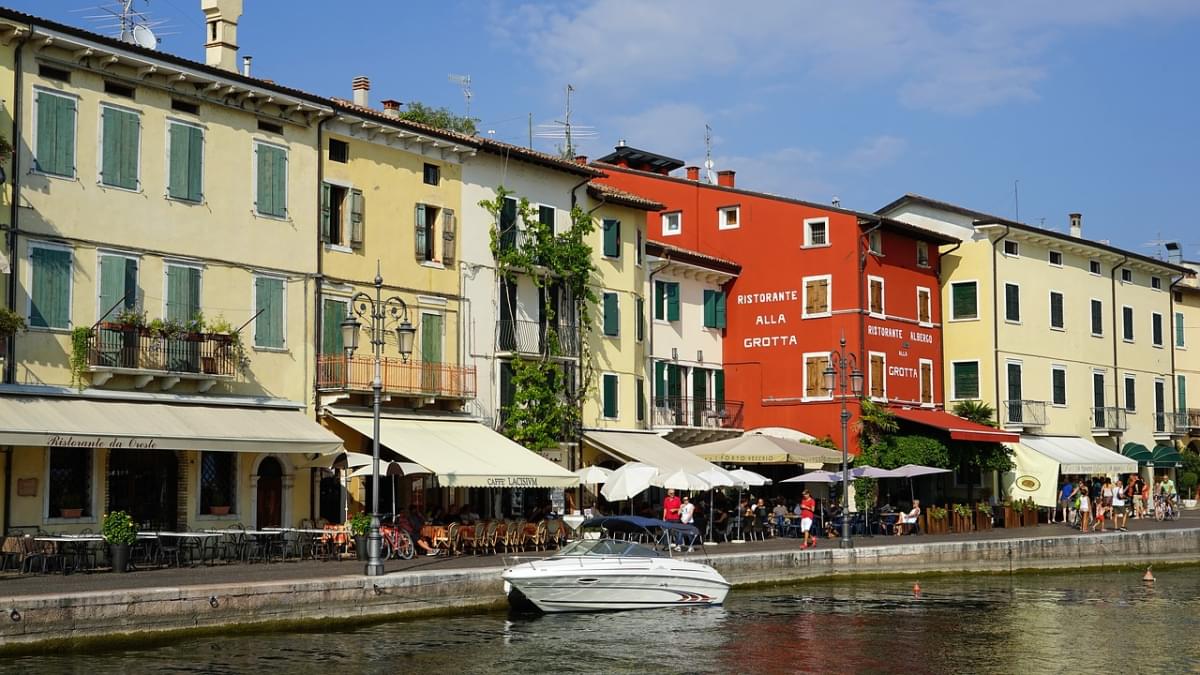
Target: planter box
<point>218,510</point>
<point>962,524</point>
<point>70,513</point>
<point>1012,517</point>
<point>936,526</point>
<point>983,521</point>
<point>1030,518</point>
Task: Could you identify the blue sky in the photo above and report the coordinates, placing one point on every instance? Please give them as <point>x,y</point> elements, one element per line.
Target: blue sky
<point>1090,105</point>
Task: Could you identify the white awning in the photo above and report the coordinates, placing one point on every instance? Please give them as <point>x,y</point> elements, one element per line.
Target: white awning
<point>1041,459</point>
<point>88,423</point>
<point>648,448</point>
<point>464,453</point>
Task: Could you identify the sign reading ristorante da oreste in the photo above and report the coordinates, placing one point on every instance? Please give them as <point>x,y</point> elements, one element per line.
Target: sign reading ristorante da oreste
<point>115,443</point>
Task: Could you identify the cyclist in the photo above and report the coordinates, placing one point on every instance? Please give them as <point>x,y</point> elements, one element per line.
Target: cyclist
<point>1168,492</point>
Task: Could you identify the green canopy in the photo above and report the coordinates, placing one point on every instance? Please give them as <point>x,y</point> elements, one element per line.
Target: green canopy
<point>1166,457</point>
<point>1139,452</point>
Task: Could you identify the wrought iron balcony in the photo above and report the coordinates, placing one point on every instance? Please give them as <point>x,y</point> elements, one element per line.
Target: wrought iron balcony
<point>135,351</point>
<point>1026,414</point>
<point>1193,419</point>
<point>1108,418</point>
<point>533,337</point>
<point>679,411</point>
<point>1176,423</point>
<point>412,378</point>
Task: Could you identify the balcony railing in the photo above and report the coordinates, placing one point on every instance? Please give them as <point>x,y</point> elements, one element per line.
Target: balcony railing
<point>1108,418</point>
<point>138,350</point>
<point>1025,413</point>
<point>415,378</point>
<point>678,411</point>
<point>1193,419</point>
<point>1173,423</point>
<point>533,337</point>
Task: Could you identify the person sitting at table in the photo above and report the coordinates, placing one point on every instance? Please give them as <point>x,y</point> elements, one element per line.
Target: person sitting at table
<point>466,516</point>
<point>415,518</point>
<point>760,511</point>
<point>451,515</point>
<point>720,519</point>
<point>908,521</point>
<point>832,514</point>
<point>779,513</point>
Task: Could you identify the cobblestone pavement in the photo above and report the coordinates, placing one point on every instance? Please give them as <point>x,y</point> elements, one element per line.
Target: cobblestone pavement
<point>13,584</point>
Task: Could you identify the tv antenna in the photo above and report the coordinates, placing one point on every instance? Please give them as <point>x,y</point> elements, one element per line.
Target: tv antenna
<point>709,176</point>
<point>464,81</point>
<point>566,130</point>
<point>132,26</point>
<point>1159,246</point>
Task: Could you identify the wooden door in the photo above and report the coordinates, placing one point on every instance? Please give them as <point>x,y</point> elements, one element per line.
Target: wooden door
<point>270,494</point>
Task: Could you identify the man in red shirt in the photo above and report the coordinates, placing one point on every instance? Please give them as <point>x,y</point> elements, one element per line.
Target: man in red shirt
<point>671,505</point>
<point>807,506</point>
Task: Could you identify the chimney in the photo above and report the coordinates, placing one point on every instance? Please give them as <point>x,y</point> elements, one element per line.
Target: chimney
<point>725,178</point>
<point>837,201</point>
<point>246,65</point>
<point>693,173</point>
<point>220,45</point>
<point>1174,253</point>
<point>362,91</point>
<point>391,107</point>
<point>581,159</point>
<point>1076,225</point>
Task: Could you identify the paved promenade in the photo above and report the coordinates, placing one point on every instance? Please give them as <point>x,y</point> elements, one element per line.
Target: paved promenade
<point>14,585</point>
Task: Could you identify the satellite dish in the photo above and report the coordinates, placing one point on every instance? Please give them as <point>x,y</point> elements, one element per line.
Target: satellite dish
<point>144,37</point>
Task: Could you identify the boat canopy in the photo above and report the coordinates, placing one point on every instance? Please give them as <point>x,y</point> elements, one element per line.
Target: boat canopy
<point>634,524</point>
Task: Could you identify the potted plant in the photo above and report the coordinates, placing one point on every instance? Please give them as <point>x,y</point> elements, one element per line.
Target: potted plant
<point>218,503</point>
<point>194,327</point>
<point>1030,517</point>
<point>359,524</point>
<point>11,323</point>
<point>962,518</point>
<point>1187,486</point>
<point>117,529</point>
<point>228,339</point>
<point>1012,513</point>
<point>81,346</point>
<point>983,516</point>
<point>71,506</point>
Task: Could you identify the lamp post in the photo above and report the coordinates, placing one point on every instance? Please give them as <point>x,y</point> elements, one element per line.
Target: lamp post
<point>843,373</point>
<point>379,314</point>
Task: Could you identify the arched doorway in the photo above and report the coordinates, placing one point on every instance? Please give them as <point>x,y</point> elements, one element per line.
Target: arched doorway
<point>270,493</point>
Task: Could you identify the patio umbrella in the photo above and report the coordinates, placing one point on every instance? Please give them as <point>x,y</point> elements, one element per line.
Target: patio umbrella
<point>392,469</point>
<point>718,477</point>
<point>869,472</point>
<point>628,481</point>
<point>682,480</point>
<point>593,475</point>
<point>911,471</point>
<point>750,478</point>
<point>818,476</point>
<point>762,448</point>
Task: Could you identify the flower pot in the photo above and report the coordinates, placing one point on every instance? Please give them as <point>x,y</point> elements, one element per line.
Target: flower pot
<point>1012,517</point>
<point>119,555</point>
<point>218,510</point>
<point>983,521</point>
<point>1030,519</point>
<point>70,513</point>
<point>360,546</point>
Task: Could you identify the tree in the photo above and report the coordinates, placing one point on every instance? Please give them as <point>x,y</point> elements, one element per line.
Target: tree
<point>875,423</point>
<point>971,457</point>
<point>442,118</point>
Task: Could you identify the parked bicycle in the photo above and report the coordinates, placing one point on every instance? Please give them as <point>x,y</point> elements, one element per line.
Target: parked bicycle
<point>397,543</point>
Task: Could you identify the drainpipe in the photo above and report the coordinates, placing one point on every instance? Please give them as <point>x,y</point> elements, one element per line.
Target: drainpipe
<point>942,334</point>
<point>1112,278</point>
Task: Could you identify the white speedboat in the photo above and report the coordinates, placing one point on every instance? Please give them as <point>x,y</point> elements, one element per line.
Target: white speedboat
<point>613,574</point>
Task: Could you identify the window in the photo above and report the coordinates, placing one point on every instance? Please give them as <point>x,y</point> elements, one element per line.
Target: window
<point>1012,303</point>
<point>1127,323</point>
<point>926,383</point>
<point>666,301</point>
<point>965,379</point>
<point>875,296</point>
<point>875,242</point>
<point>640,309</point>
<point>816,232</point>
<point>714,309</point>
<point>1181,393</point>
<point>270,127</point>
<point>546,216</point>
<point>69,485</point>
<point>612,238</point>
<point>1056,258</point>
<point>612,316</point>
<point>268,306</point>
<point>432,174</point>
<point>728,218</point>
<point>1130,393</point>
<point>342,215</point>
<point>1057,318</point>
<point>185,106</point>
<point>877,376</point>
<point>1097,317</point>
<point>1160,402</point>
<point>55,129</point>
<point>922,254</point>
<point>640,394</point>
<point>964,300</point>
<point>1011,248</point>
<point>183,293</point>
<point>610,396</point>
<point>924,307</point>
<point>118,286</point>
<point>816,296</point>
<point>1058,385</point>
<point>1127,276</point>
<point>333,311</point>
<point>1156,283</point>
<point>339,151</point>
<point>271,178</point>
<point>50,287</point>
<point>218,483</point>
<point>426,231</point>
<point>639,253</point>
<point>118,89</point>
<point>814,375</point>
<point>1094,267</point>
<point>185,161</point>
<point>1180,339</point>
<point>672,223</point>
<point>52,73</point>
<point>1156,329</point>
<point>120,135</point>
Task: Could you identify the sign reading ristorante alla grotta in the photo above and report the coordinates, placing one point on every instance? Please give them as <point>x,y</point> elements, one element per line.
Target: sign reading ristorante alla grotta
<point>771,317</point>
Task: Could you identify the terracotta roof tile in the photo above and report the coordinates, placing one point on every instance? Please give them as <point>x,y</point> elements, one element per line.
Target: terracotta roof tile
<point>612,194</point>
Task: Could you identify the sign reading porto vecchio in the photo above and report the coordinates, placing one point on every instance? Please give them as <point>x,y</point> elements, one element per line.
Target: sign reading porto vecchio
<point>771,315</point>
<point>68,441</point>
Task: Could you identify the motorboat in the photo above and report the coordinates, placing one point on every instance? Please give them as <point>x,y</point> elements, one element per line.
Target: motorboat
<point>614,571</point>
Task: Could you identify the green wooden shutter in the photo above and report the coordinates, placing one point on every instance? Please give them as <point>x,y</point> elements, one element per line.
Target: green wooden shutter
<point>610,395</point>
<point>195,164</point>
<point>660,383</point>
<point>118,161</point>
<point>612,238</point>
<point>1097,317</point>
<point>333,311</point>
<point>1012,302</point>
<point>660,299</point>
<point>177,169</point>
<point>640,309</point>
<point>710,309</point>
<point>51,291</point>
<point>358,223</point>
<point>966,380</point>
<point>1180,340</point>
<point>1059,386</point>
<point>449,234</point>
<point>612,319</point>
<point>112,286</point>
<point>1156,329</point>
<point>183,293</point>
<point>672,302</point>
<point>431,338</point>
<point>719,388</point>
<point>1181,391</point>
<point>326,197</point>
<point>264,199</point>
<point>272,181</point>
<point>964,300</point>
<point>674,381</point>
<point>55,134</point>
<point>130,145</point>
<point>720,309</point>
<point>279,185</point>
<point>268,301</point>
<point>640,394</point>
<point>1056,310</point>
<point>419,222</point>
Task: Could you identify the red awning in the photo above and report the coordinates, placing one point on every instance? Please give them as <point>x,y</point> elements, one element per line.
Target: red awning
<point>959,428</point>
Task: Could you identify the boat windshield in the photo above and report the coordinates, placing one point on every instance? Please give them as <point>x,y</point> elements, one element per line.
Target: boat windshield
<point>608,547</point>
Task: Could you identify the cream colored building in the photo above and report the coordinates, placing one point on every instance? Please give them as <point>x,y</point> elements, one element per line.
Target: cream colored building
<point>1068,339</point>
<point>1185,332</point>
<point>164,259</point>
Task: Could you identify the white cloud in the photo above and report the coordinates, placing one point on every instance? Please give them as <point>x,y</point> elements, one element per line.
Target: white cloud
<point>876,152</point>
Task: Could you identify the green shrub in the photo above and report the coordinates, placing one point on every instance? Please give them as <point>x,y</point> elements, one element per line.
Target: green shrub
<point>118,528</point>
<point>359,524</point>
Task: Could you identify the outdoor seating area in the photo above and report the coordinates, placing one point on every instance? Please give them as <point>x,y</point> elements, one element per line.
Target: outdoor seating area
<point>491,537</point>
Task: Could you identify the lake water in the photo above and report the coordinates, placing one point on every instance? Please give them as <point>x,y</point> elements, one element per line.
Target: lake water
<point>1083,622</point>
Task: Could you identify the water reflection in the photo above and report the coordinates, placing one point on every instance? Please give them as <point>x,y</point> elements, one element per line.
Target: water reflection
<point>1026,623</point>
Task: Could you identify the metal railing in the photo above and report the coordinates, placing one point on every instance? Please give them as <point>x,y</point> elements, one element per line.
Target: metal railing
<point>137,349</point>
<point>679,411</point>
<point>1175,422</point>
<point>355,373</point>
<point>535,337</point>
<point>1193,418</point>
<point>1109,418</point>
<point>1025,413</point>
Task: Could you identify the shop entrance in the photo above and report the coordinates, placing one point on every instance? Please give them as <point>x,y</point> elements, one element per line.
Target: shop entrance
<point>144,484</point>
<point>270,493</point>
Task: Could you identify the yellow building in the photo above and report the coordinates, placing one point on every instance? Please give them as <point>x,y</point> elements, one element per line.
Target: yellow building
<point>1185,333</point>
<point>1067,339</point>
<point>163,257</point>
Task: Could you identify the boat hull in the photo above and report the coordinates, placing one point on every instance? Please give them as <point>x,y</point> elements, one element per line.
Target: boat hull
<point>612,584</point>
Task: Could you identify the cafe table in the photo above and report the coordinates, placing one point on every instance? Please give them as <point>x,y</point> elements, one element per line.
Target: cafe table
<point>73,546</point>
<point>262,538</point>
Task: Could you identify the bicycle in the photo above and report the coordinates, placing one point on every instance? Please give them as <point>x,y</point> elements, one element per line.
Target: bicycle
<point>397,543</point>
<point>1165,508</point>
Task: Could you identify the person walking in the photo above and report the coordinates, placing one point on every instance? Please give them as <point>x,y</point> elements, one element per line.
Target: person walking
<point>1085,510</point>
<point>1064,500</point>
<point>808,506</point>
<point>1104,509</point>
<point>1120,515</point>
<point>1144,499</point>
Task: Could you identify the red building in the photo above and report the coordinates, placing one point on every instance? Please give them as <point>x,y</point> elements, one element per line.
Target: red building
<point>811,274</point>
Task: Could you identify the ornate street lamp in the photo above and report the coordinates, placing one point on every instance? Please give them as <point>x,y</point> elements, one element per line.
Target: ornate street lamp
<point>379,314</point>
<point>843,373</point>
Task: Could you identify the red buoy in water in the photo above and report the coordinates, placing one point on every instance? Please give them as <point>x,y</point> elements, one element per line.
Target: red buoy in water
<point>917,589</point>
<point>1148,577</point>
